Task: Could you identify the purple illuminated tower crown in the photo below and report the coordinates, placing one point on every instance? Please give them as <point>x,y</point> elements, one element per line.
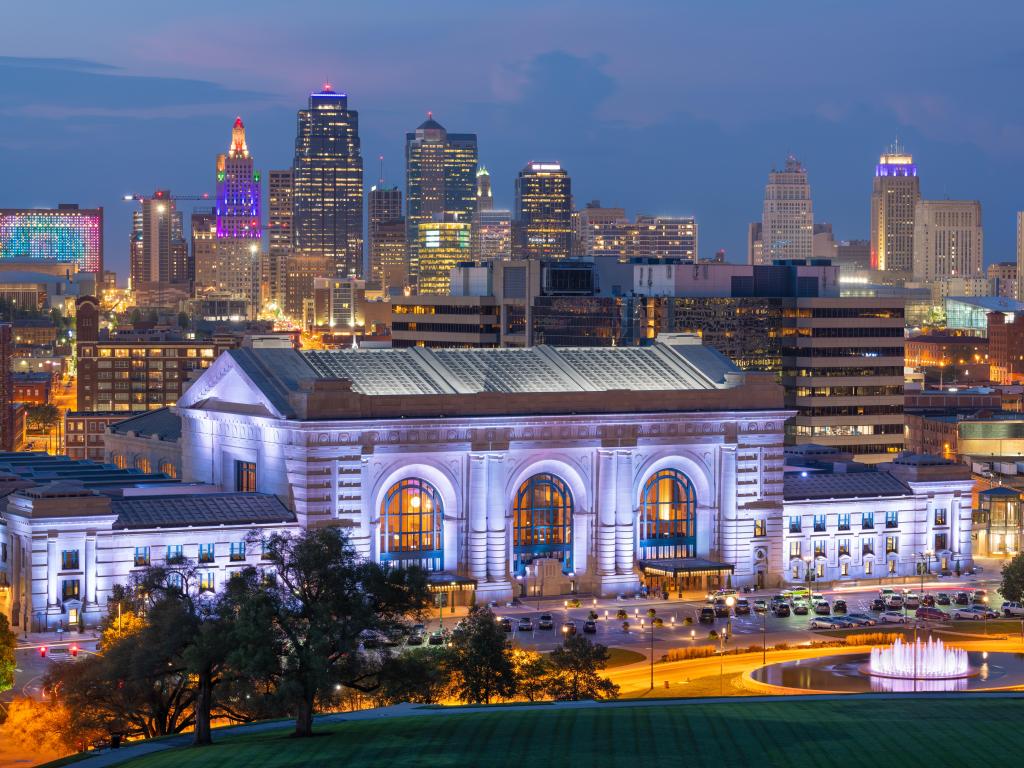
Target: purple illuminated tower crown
<point>238,190</point>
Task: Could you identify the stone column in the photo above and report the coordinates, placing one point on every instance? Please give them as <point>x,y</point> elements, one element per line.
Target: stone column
<point>89,588</point>
<point>477,516</point>
<point>728,536</point>
<point>497,551</point>
<point>624,512</point>
<point>52,566</point>
<point>606,517</point>
<point>17,579</point>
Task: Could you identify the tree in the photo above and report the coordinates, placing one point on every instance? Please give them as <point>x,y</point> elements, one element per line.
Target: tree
<point>480,658</point>
<point>574,671</point>
<point>303,625</point>
<point>42,418</point>
<point>531,671</point>
<point>420,677</point>
<point>8,642</point>
<point>1013,579</point>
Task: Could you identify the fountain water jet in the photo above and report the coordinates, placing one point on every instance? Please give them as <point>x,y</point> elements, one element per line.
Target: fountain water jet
<point>928,660</point>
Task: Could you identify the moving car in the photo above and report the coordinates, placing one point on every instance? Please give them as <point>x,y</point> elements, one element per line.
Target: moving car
<point>926,613</point>
<point>707,616</point>
<point>822,608</point>
<point>823,622</point>
<point>942,598</point>
<point>590,627</point>
<point>742,607</point>
<point>839,606</point>
<point>1012,608</point>
<point>782,610</point>
<point>862,619</point>
<point>891,617</point>
<point>526,624</point>
<point>721,608</point>
<point>979,596</point>
<point>569,628</point>
<point>545,621</point>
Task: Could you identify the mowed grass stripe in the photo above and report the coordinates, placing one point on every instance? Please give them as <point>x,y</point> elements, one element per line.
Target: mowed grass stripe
<point>957,731</point>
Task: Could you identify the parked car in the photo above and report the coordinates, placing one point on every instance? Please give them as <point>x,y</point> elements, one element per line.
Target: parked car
<point>884,592</point>
<point>569,628</point>
<point>742,607</point>
<point>927,613</point>
<point>942,599</point>
<point>823,622</point>
<point>862,619</point>
<point>1012,608</point>
<point>573,603</point>
<point>985,610</point>
<point>928,600</point>
<point>436,638</point>
<point>822,608</point>
<point>839,606</point>
<point>979,596</point>
<point>973,613</point>
<point>844,622</point>
<point>878,604</point>
<point>720,594</point>
<point>912,601</point>
<point>707,616</point>
<point>721,608</point>
<point>776,599</point>
<point>505,624</point>
<point>760,606</point>
<point>590,627</point>
<point>782,610</point>
<point>526,624</point>
<point>894,602</point>
<point>416,638</point>
<point>800,608</point>
<point>545,621</point>
<point>891,617</point>
<point>962,598</point>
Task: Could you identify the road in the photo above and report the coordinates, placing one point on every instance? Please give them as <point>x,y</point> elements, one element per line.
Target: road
<point>32,667</point>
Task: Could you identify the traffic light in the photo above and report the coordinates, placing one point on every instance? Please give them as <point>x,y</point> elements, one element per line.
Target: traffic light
<point>42,651</point>
<point>74,650</point>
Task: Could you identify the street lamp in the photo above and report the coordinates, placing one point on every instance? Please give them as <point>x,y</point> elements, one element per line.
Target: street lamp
<point>984,601</point>
<point>730,601</point>
<point>652,653</point>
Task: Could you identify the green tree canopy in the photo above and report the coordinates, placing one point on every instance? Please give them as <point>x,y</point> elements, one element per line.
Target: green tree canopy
<point>480,659</point>
<point>573,671</point>
<point>1013,579</point>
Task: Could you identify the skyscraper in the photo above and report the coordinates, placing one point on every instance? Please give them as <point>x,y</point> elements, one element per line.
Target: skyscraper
<point>443,243</point>
<point>543,223</point>
<point>440,179</point>
<point>948,240</point>
<point>491,235</point>
<point>484,197</point>
<point>279,233</point>
<point>1020,254</point>
<point>895,193</point>
<point>787,219</point>
<point>327,202</point>
<point>386,238</point>
<point>232,269</point>
<point>160,270</point>
<point>667,237</point>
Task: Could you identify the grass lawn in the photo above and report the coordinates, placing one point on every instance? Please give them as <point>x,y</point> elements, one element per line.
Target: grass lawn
<point>790,733</point>
<point>620,657</point>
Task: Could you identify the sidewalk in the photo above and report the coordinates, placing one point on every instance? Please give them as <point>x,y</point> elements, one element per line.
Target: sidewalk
<point>87,639</point>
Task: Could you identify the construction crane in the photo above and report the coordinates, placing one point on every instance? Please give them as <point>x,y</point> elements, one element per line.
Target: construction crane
<point>163,194</point>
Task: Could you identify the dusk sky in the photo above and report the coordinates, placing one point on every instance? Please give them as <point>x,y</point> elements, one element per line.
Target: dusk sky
<point>660,107</point>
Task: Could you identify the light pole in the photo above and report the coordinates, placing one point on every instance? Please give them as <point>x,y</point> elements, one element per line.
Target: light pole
<point>652,654</point>
<point>984,602</point>
<point>764,637</point>
<point>730,601</point>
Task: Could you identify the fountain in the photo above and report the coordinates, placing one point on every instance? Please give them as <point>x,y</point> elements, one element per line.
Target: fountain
<point>927,660</point>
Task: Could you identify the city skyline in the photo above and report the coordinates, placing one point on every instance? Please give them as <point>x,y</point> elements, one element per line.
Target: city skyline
<point>577,98</point>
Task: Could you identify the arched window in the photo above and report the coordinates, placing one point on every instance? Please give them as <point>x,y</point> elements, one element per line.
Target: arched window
<point>411,525</point>
<point>143,464</point>
<point>169,469</point>
<point>543,522</point>
<point>119,461</point>
<point>668,516</point>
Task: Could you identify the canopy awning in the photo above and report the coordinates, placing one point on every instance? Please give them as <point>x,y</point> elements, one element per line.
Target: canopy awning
<point>684,566</point>
<point>449,582</point>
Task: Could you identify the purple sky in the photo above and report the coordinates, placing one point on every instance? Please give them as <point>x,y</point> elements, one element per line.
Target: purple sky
<point>661,107</point>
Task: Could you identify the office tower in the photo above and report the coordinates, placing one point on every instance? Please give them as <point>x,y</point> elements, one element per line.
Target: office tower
<point>1020,255</point>
<point>755,243</point>
<point>823,245</point>
<point>67,234</point>
<point>231,268</point>
<point>543,212</point>
<point>484,198</point>
<point>1002,278</point>
<point>327,201</point>
<point>440,179</point>
<point>204,239</point>
<point>666,237</point>
<point>948,240</point>
<point>442,244</point>
<point>895,192</point>
<point>491,235</point>
<point>279,233</point>
<point>7,441</point>
<point>787,219</point>
<point>385,237</point>
<point>160,269</point>
<point>853,254</point>
<point>599,231</point>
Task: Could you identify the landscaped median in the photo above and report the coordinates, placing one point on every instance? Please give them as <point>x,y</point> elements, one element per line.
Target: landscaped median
<point>792,732</point>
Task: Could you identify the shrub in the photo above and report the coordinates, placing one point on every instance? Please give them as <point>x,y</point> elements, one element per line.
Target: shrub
<point>695,652</point>
<point>651,612</point>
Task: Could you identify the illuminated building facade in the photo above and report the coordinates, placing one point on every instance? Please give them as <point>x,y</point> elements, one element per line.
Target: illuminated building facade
<point>67,234</point>
<point>160,268</point>
<point>484,196</point>
<point>895,193</point>
<point>440,180</point>
<point>543,212</point>
<point>787,219</point>
<point>327,196</point>
<point>666,237</point>
<point>441,245</point>
<point>279,233</point>
<point>948,241</point>
<point>491,236</point>
<point>389,266</point>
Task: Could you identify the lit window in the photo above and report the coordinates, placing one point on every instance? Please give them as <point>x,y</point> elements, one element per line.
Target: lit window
<point>412,524</point>
<point>70,589</point>
<point>237,551</point>
<point>542,521</point>
<point>668,516</point>
<point>245,476</point>
<point>69,560</point>
<point>206,581</point>
<point>141,557</point>
<point>175,553</point>
<point>760,528</point>
<point>206,553</point>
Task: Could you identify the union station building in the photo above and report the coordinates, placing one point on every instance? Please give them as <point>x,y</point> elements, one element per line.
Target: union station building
<point>503,472</point>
